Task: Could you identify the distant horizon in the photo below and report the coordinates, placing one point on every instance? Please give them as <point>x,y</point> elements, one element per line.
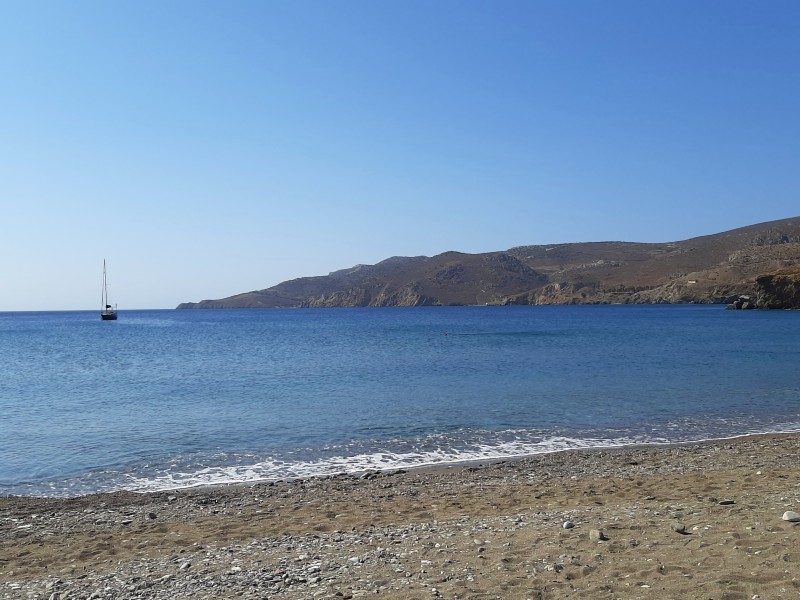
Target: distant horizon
<point>206,149</point>
<point>233,293</point>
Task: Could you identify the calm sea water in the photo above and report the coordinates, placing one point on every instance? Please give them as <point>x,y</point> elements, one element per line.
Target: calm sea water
<point>169,399</point>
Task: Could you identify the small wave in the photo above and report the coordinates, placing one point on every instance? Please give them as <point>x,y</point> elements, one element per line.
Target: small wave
<point>378,460</point>
<point>436,451</point>
<point>432,452</point>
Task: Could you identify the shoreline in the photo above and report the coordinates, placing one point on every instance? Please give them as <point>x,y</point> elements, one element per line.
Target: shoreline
<point>413,468</point>
<point>493,530</point>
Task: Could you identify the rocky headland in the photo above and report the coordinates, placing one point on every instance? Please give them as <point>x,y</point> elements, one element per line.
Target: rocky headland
<point>758,261</point>
<point>779,290</point>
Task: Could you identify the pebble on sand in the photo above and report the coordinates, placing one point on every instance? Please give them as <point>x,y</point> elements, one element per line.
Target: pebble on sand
<point>791,516</point>
<point>678,527</point>
<point>597,536</point>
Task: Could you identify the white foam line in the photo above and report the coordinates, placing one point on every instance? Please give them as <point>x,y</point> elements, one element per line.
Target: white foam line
<point>380,460</point>
<point>387,461</point>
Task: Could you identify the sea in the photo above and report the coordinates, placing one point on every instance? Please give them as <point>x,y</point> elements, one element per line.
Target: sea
<point>169,399</point>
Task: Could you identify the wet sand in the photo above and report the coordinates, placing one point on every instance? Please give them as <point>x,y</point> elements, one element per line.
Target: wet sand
<point>690,521</point>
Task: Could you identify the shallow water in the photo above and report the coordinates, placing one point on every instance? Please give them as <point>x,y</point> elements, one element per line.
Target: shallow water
<point>166,399</point>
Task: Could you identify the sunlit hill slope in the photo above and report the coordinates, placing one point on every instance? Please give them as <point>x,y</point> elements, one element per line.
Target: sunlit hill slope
<point>709,269</point>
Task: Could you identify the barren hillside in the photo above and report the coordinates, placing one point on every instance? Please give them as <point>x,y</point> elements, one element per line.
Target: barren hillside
<point>708,269</point>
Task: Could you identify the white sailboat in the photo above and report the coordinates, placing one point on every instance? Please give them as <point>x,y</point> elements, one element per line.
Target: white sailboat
<point>107,313</point>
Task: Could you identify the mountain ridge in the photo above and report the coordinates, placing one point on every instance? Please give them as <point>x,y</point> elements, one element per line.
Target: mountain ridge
<point>712,268</point>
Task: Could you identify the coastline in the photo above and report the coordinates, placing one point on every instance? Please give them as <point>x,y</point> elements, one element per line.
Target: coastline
<point>489,530</point>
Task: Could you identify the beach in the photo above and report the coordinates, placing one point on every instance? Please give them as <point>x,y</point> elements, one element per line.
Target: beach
<point>688,521</point>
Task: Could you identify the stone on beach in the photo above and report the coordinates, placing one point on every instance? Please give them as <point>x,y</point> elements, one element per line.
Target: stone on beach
<point>678,527</point>
<point>597,536</point>
<point>791,516</point>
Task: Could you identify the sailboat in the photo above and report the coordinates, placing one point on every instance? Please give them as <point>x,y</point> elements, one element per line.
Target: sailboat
<point>106,312</point>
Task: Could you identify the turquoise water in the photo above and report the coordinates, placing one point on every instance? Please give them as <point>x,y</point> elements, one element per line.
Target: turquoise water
<point>168,399</point>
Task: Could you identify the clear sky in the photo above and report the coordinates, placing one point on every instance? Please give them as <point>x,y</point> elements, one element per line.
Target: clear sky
<point>207,148</point>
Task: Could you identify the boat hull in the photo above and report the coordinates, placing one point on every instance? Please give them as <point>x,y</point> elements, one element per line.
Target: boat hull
<point>108,316</point>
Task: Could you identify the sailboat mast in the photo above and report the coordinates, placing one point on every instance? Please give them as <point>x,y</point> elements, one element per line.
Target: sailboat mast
<point>106,312</point>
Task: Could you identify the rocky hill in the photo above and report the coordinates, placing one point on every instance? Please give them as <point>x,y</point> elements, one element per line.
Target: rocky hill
<point>779,290</point>
<point>709,269</point>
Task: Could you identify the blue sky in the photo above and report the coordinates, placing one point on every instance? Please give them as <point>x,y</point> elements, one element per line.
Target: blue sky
<point>210,148</point>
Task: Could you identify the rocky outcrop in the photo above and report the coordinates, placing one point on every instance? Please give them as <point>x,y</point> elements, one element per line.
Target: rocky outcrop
<point>742,303</point>
<point>408,295</point>
<point>360,297</point>
<point>692,291</point>
<point>779,290</point>
<point>351,298</point>
<point>559,293</point>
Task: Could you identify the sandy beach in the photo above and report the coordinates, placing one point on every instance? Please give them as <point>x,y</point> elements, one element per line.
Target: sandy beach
<point>691,521</point>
